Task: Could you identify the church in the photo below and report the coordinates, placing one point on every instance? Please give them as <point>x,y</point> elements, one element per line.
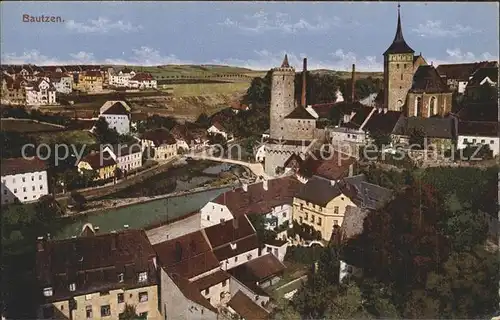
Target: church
<point>410,84</point>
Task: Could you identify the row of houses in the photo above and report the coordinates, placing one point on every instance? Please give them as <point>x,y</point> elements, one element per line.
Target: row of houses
<point>128,78</point>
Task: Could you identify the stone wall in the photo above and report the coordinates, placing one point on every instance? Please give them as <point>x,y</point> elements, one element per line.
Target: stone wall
<point>442,105</point>
<point>276,155</point>
<point>297,129</point>
<point>399,78</point>
<point>282,99</point>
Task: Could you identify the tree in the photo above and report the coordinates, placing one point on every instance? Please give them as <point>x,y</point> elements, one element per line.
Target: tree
<point>104,134</point>
<point>148,154</point>
<point>78,200</point>
<point>203,120</point>
<point>47,209</point>
<point>285,311</point>
<point>129,313</point>
<point>417,138</point>
<point>380,139</point>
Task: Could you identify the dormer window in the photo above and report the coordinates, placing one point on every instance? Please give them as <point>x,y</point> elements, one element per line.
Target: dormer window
<point>143,276</point>
<point>72,287</point>
<point>47,292</point>
<point>120,277</point>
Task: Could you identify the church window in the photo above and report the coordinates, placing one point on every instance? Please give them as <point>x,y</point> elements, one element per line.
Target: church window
<point>418,107</point>
<point>432,106</point>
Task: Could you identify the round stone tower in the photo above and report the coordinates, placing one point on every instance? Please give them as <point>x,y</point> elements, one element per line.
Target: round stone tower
<point>282,98</point>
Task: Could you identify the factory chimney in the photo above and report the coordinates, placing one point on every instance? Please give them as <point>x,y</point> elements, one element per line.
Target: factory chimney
<point>304,75</point>
<point>353,82</point>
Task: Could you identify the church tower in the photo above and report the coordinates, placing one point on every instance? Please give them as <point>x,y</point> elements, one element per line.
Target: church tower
<point>282,98</point>
<point>398,70</point>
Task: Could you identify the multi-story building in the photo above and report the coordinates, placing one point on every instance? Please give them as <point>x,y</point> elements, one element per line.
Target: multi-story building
<point>474,133</point>
<point>127,157</point>
<point>481,78</point>
<point>13,90</point>
<point>142,81</point>
<point>117,115</point>
<point>89,81</point>
<point>23,180</point>
<point>62,82</point>
<point>218,128</point>
<point>102,163</point>
<point>162,142</point>
<point>458,75</point>
<point>40,93</point>
<point>121,78</point>
<point>95,276</point>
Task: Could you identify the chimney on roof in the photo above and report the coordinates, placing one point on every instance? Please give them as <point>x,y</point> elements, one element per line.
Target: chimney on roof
<point>125,226</point>
<point>96,229</point>
<point>304,76</point>
<point>353,82</point>
<point>385,110</point>
<point>264,184</point>
<point>244,185</point>
<point>40,244</point>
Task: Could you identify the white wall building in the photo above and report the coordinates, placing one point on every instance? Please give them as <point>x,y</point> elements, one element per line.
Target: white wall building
<point>40,93</point>
<point>24,180</point>
<point>117,116</point>
<point>127,157</point>
<point>478,133</point>
<point>62,82</point>
<point>121,78</point>
<point>143,81</point>
<point>217,128</point>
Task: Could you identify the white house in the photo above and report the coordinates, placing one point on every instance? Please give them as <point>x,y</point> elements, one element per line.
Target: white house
<point>277,248</point>
<point>117,115</point>
<point>162,142</point>
<point>121,79</point>
<point>62,82</point>
<point>23,179</point>
<point>218,128</point>
<point>143,81</point>
<point>40,93</point>
<point>127,157</point>
<point>478,133</point>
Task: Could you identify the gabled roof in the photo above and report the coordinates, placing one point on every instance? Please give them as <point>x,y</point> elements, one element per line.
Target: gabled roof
<point>360,116</point>
<point>479,112</point>
<point>443,128</point>
<point>478,128</point>
<point>93,263</point>
<point>483,73</point>
<point>382,121</point>
<point>99,160</point>
<point>300,113</point>
<point>121,150</point>
<point>219,126</point>
<point>257,200</point>
<point>399,44</point>
<point>142,77</point>
<point>427,79</point>
<point>211,279</point>
<point>228,232</point>
<point>159,137</point>
<point>331,165</point>
<point>188,256</point>
<point>370,195</point>
<point>117,108</point>
<point>21,165</point>
<point>319,191</point>
<point>258,270</point>
<point>191,291</point>
<point>458,71</point>
<point>246,308</point>
<point>237,247</point>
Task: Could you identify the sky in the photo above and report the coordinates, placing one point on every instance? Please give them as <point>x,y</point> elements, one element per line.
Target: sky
<point>256,35</point>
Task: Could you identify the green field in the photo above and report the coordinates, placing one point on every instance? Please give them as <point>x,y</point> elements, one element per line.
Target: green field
<point>200,89</point>
<point>27,125</point>
<point>69,137</point>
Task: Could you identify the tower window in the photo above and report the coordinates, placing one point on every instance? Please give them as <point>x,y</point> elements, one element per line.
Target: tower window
<point>401,76</point>
<point>397,65</point>
<point>283,77</point>
<point>405,65</point>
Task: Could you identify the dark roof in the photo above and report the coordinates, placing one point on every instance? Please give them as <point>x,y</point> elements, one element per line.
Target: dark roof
<point>117,108</point>
<point>482,73</point>
<point>330,165</point>
<point>159,137</point>
<point>92,73</point>
<point>123,149</point>
<point>432,127</point>
<point>258,270</point>
<point>479,112</point>
<point>353,221</point>
<point>427,79</point>
<point>211,279</point>
<point>94,262</point>
<point>142,77</point>
<point>370,195</point>
<point>191,291</point>
<point>478,128</point>
<point>399,44</point>
<point>99,160</point>
<point>458,71</point>
<point>228,232</point>
<point>246,308</point>
<point>359,117</point>
<point>126,70</point>
<point>319,191</point>
<point>242,245</point>
<point>323,109</point>
<point>285,63</point>
<point>257,200</point>
<point>275,242</point>
<point>382,121</point>
<point>188,256</point>
<point>21,165</point>
<point>300,113</point>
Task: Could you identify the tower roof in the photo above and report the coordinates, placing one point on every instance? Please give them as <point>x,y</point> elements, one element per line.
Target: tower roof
<point>399,44</point>
<point>285,63</point>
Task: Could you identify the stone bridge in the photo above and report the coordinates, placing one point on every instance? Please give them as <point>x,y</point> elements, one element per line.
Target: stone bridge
<point>256,168</point>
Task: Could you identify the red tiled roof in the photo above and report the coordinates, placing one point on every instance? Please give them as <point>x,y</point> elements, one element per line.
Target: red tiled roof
<point>21,165</point>
<point>256,200</point>
<point>94,262</point>
<point>117,108</point>
<point>211,280</point>
<point>99,160</point>
<point>246,308</point>
<point>229,231</point>
<point>188,256</point>
<point>191,291</point>
<point>219,126</point>
<point>243,245</point>
<point>331,166</point>
<point>258,270</point>
<point>142,77</point>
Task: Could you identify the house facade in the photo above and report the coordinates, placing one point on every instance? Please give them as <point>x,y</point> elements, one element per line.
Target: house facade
<point>217,128</point>
<point>121,78</point>
<point>117,115</point>
<point>143,81</point>
<point>162,142</point>
<point>89,81</point>
<point>13,90</point>
<point>62,82</point>
<point>102,164</point>
<point>40,93</point>
<point>23,180</point>
<point>478,133</point>
<point>127,157</point>
<point>94,276</point>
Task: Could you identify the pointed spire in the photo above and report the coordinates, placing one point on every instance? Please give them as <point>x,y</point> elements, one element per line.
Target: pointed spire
<point>399,30</point>
<point>399,44</point>
<point>285,63</point>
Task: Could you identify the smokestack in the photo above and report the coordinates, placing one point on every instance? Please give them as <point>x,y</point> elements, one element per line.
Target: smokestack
<point>353,81</point>
<point>304,73</point>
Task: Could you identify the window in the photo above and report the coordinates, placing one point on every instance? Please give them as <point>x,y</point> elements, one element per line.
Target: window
<point>5,191</point>
<point>224,283</point>
<point>418,107</point>
<point>207,291</point>
<point>120,277</point>
<point>300,219</point>
<point>401,76</point>
<point>473,140</point>
<point>33,187</point>
<point>404,66</point>
<point>284,214</point>
<point>432,106</point>
<point>104,293</point>
<point>335,222</point>
<point>320,209</point>
<point>13,180</point>
<point>143,296</point>
<point>41,187</point>
<point>306,216</point>
<point>235,259</point>
<point>482,141</point>
<point>222,220</point>
<point>354,136</point>
<point>24,189</point>
<point>15,190</point>
<point>397,66</point>
<point>105,311</point>
<point>465,140</point>
<point>47,292</point>
<point>72,287</point>
<point>24,179</point>
<point>319,221</point>
<point>336,210</point>
<point>249,257</point>
<point>492,142</point>
<point>301,207</point>
<point>208,217</point>
<point>32,178</point>
<point>143,276</point>
<point>312,218</point>
<point>276,252</point>
<point>120,297</point>
<point>88,312</point>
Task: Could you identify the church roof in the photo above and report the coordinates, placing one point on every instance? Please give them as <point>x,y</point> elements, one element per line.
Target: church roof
<point>427,79</point>
<point>300,113</point>
<point>285,63</point>
<point>399,44</point>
